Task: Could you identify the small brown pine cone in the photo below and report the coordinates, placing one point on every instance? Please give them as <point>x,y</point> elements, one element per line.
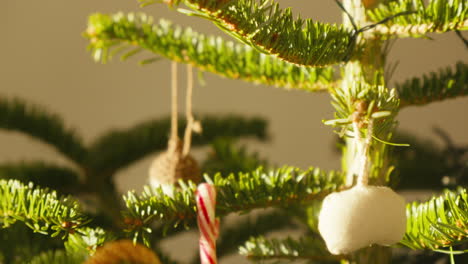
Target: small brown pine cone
<point>123,251</point>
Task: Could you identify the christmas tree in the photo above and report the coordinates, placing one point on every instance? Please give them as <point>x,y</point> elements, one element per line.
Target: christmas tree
<point>74,214</point>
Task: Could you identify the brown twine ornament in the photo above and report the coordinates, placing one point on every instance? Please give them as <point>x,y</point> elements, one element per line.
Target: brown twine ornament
<point>123,251</point>
<point>176,163</point>
<point>370,3</point>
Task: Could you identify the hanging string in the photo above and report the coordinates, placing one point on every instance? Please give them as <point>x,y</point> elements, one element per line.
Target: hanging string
<point>363,159</point>
<point>188,112</point>
<point>174,125</point>
<point>357,163</point>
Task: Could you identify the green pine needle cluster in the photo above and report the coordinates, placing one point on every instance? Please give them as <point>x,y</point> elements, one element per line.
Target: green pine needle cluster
<point>34,121</point>
<point>235,193</point>
<point>379,103</point>
<point>23,244</point>
<point>436,16</point>
<point>439,223</point>
<point>56,257</point>
<point>266,27</point>
<point>129,34</point>
<point>307,248</point>
<point>436,86</point>
<point>87,240</point>
<point>40,209</point>
<point>232,236</point>
<point>225,158</point>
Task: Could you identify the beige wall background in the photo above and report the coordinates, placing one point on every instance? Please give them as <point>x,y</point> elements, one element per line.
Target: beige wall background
<point>43,58</point>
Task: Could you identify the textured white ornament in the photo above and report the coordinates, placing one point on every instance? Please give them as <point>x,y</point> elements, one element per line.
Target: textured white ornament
<point>362,216</point>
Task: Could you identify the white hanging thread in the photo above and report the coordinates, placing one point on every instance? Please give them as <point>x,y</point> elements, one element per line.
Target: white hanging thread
<point>362,155</point>
<point>359,148</point>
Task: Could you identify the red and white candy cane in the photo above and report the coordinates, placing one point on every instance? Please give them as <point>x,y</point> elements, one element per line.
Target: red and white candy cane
<point>207,222</point>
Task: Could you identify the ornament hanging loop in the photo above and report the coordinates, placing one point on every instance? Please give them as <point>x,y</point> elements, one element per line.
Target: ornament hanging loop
<point>363,147</point>
<point>192,124</point>
<point>175,144</point>
<point>174,141</point>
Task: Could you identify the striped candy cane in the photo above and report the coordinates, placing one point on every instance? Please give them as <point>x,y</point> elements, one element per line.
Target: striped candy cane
<point>207,223</point>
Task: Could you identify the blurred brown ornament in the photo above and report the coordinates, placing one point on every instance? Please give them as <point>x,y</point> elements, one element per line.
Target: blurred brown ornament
<point>171,166</point>
<point>123,251</point>
<point>370,3</point>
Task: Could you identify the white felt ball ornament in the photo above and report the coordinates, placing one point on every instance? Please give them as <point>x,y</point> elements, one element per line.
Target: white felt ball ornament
<point>362,216</point>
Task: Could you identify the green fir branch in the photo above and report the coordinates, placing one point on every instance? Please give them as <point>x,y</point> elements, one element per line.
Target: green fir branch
<point>439,223</point>
<point>118,33</point>
<point>21,116</point>
<point>225,157</point>
<point>233,235</point>
<point>436,16</point>
<point>379,102</point>
<point>56,257</point>
<point>87,240</point>
<point>40,209</point>
<point>436,86</point>
<point>307,248</point>
<point>119,148</point>
<point>272,30</point>
<point>43,174</point>
<point>235,193</point>
<point>161,231</point>
<point>18,244</point>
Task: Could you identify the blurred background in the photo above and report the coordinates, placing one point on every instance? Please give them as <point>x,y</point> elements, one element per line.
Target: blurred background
<point>44,60</point>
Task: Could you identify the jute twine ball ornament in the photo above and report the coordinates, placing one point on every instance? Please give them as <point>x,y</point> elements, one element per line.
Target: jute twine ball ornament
<point>123,251</point>
<point>363,215</point>
<point>171,166</point>
<point>176,163</point>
